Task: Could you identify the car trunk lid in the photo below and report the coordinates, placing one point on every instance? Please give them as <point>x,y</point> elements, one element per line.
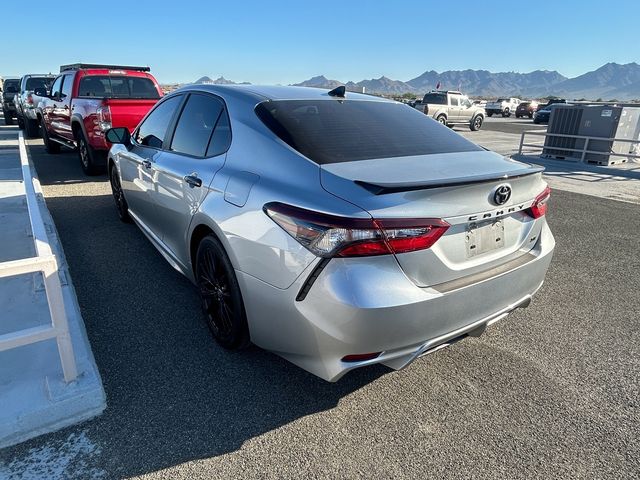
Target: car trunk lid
<point>457,187</point>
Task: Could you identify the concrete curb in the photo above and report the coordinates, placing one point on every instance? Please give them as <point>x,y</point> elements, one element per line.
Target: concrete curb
<point>36,405</point>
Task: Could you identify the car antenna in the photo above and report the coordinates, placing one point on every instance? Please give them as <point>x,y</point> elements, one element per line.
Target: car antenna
<point>338,91</point>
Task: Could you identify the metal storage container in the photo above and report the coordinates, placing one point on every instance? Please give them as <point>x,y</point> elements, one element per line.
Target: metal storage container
<point>606,121</point>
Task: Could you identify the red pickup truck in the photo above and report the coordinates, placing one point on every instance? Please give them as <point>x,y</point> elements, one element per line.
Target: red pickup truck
<point>86,100</point>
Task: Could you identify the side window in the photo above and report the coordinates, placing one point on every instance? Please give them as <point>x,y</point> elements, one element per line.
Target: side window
<point>67,85</point>
<point>454,101</point>
<point>466,103</point>
<point>221,139</point>
<point>195,125</point>
<point>56,89</point>
<point>153,129</point>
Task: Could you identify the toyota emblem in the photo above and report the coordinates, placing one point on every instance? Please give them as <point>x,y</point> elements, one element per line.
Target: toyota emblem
<point>502,194</point>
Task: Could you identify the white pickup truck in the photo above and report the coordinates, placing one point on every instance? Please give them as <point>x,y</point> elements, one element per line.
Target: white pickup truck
<point>502,106</point>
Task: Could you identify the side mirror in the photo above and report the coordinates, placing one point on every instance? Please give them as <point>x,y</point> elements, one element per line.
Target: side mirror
<point>119,135</point>
<point>40,91</point>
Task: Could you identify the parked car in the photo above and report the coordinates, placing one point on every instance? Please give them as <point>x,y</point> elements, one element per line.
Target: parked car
<point>542,115</point>
<point>86,100</point>
<point>502,106</point>
<point>11,86</point>
<point>551,102</point>
<point>453,108</point>
<point>333,245</point>
<point>26,101</point>
<point>526,109</point>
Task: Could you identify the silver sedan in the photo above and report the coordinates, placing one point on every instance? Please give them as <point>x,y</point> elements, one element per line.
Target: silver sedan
<point>335,229</point>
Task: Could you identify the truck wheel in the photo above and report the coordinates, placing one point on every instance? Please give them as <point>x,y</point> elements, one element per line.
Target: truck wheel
<point>476,123</point>
<point>442,119</point>
<point>506,113</point>
<point>30,128</point>
<point>88,156</point>
<point>49,146</point>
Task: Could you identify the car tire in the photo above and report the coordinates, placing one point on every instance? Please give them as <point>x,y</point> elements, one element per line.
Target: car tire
<point>30,128</point>
<point>441,119</point>
<point>20,122</point>
<point>88,156</point>
<point>220,294</point>
<point>122,207</point>
<point>489,114</point>
<point>476,123</point>
<point>530,115</point>
<point>506,113</point>
<point>8,119</point>
<point>49,145</point>
<point>518,115</point>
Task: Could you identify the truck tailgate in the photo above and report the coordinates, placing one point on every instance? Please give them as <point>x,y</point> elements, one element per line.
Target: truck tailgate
<point>127,112</point>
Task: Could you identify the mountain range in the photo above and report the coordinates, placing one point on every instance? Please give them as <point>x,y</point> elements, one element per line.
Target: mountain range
<point>611,81</point>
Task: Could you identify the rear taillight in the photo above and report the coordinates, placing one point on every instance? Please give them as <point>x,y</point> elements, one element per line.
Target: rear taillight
<point>539,206</point>
<point>332,236</point>
<point>104,117</point>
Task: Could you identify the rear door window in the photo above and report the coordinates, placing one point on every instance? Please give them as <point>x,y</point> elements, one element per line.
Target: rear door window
<point>67,85</point>
<point>331,131</point>
<point>196,125</point>
<point>454,101</point>
<point>153,129</point>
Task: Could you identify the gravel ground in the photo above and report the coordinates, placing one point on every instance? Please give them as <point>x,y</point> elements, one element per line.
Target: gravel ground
<point>550,392</point>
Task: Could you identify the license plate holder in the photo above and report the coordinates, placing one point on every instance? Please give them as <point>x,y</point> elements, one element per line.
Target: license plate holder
<point>483,237</point>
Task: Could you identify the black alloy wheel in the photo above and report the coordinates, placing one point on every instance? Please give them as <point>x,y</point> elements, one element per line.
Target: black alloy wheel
<point>220,294</point>
<point>118,196</point>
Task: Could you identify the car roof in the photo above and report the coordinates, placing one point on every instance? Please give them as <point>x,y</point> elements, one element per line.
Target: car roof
<point>278,92</point>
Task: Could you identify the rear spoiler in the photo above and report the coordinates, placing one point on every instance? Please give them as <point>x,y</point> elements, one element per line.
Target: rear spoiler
<point>385,188</point>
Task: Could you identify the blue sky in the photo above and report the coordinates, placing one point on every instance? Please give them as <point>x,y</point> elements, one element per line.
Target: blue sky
<point>289,41</point>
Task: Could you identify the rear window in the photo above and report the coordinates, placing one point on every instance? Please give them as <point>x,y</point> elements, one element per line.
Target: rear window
<point>11,86</point>
<point>334,131</point>
<point>117,87</point>
<point>435,98</point>
<point>38,82</point>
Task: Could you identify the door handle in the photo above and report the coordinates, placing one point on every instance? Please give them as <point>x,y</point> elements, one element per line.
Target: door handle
<point>193,180</point>
<point>146,163</point>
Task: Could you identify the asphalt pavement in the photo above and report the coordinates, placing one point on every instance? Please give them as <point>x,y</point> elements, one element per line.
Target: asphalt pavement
<point>549,392</point>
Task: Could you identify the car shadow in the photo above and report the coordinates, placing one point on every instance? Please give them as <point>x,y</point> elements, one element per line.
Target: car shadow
<point>59,168</point>
<point>173,395</point>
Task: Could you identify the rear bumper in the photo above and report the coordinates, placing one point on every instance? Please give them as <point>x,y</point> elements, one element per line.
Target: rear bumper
<point>369,305</point>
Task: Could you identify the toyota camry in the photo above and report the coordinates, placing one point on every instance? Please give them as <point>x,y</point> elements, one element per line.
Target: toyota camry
<point>335,229</point>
